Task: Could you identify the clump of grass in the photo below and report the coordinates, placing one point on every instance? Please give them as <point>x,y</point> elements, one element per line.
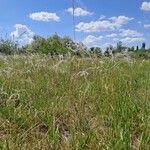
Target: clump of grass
<point>74,103</point>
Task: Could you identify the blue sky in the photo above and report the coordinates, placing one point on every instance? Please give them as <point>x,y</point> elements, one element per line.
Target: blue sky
<point>98,22</point>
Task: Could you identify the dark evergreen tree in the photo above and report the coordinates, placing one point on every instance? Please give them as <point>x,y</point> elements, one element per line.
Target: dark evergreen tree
<point>106,53</point>
<point>132,48</point>
<point>137,48</point>
<point>96,50</point>
<point>119,46</point>
<point>143,46</point>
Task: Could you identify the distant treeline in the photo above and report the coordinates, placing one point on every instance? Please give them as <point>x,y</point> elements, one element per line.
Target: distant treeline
<point>56,45</point>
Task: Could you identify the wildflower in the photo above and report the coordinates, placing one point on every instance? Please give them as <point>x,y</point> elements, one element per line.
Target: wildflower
<point>60,57</point>
<point>83,73</point>
<point>101,62</point>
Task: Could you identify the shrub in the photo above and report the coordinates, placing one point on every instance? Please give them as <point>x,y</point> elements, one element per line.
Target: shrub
<point>52,45</point>
<point>96,51</point>
<point>7,47</point>
<point>144,54</point>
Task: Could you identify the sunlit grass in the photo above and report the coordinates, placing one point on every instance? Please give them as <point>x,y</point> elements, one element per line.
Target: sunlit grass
<point>77,103</point>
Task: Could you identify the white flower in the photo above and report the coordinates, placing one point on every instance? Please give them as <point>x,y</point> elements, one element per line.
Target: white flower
<point>83,73</point>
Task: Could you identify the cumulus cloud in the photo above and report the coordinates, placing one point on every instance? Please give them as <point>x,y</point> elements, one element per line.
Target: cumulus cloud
<point>130,33</point>
<point>22,34</point>
<point>44,16</point>
<point>91,40</point>
<point>102,17</point>
<point>146,25</point>
<point>95,26</point>
<point>111,35</point>
<point>79,12</point>
<point>105,45</point>
<point>111,24</point>
<point>145,6</point>
<point>128,40</point>
<point>121,19</point>
<point>130,36</point>
<point>115,39</point>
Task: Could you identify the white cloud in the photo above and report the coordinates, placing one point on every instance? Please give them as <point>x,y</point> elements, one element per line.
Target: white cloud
<point>44,16</point>
<point>95,26</point>
<point>105,45</point>
<point>91,40</point>
<point>130,33</point>
<point>130,36</point>
<point>115,39</point>
<point>121,19</point>
<point>22,34</point>
<point>102,17</point>
<point>111,35</point>
<point>128,40</point>
<point>145,6</point>
<point>146,25</point>
<point>103,25</point>
<point>79,12</point>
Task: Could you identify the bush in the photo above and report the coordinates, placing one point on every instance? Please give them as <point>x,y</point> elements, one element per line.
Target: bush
<point>96,51</point>
<point>7,47</point>
<point>53,45</point>
<point>144,54</point>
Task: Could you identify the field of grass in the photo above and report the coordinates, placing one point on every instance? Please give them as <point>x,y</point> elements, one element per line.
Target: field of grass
<point>77,103</point>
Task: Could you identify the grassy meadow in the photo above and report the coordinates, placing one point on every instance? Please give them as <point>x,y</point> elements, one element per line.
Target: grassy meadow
<point>73,104</point>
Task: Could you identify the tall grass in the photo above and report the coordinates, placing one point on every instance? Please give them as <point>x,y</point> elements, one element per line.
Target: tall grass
<point>76,103</point>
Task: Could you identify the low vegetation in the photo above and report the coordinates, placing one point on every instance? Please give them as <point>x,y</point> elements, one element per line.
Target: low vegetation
<point>74,103</point>
<point>56,45</point>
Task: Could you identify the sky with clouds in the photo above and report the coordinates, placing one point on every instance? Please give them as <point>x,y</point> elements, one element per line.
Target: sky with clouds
<point>97,22</point>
